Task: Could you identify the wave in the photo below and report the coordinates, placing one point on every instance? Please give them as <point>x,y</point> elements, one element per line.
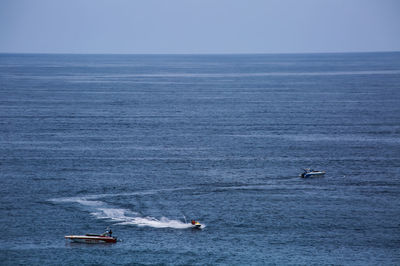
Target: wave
<point>102,210</point>
<point>227,74</point>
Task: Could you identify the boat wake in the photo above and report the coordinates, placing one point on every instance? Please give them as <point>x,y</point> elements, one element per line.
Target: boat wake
<point>126,217</point>
<point>120,216</point>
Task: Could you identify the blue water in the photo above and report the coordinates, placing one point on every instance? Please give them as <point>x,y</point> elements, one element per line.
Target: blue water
<point>145,143</point>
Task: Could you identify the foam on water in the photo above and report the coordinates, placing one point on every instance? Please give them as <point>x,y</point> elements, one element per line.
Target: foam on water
<point>102,210</point>
<point>163,222</point>
<point>81,200</point>
<point>120,216</point>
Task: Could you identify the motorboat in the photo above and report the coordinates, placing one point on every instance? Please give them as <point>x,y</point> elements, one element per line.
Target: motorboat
<point>196,225</point>
<point>93,238</point>
<point>311,173</point>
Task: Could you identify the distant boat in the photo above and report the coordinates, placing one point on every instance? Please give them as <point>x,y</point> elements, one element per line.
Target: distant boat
<point>93,239</point>
<point>310,173</point>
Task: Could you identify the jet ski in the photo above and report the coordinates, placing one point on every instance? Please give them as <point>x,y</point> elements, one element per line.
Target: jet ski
<point>92,238</point>
<point>196,225</point>
<point>311,173</point>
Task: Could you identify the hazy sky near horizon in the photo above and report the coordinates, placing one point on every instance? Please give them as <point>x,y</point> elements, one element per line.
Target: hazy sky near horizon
<point>199,26</point>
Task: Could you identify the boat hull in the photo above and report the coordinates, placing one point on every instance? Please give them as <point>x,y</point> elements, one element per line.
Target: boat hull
<point>313,174</point>
<point>92,239</point>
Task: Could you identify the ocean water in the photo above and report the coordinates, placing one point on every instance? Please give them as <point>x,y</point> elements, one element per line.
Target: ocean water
<point>144,143</point>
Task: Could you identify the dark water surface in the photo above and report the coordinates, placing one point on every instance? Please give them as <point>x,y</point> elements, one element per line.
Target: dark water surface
<point>141,143</point>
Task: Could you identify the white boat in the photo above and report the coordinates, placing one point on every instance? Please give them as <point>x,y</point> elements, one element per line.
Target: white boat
<point>311,173</point>
<point>93,239</point>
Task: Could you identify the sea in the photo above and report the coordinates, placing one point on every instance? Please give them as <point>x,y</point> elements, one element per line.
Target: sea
<point>143,144</point>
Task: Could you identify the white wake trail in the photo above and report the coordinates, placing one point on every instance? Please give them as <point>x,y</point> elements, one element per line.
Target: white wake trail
<point>153,222</point>
<point>123,217</point>
<point>102,210</point>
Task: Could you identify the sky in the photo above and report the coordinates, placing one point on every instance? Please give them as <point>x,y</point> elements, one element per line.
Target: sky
<point>198,26</point>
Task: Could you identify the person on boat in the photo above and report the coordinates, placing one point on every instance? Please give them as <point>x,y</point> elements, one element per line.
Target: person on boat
<point>193,222</point>
<point>108,232</point>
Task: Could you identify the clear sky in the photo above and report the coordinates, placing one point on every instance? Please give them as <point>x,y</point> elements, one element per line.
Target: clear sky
<point>199,26</point>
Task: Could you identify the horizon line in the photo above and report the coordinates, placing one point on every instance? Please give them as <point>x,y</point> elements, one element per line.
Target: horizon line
<point>244,53</point>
